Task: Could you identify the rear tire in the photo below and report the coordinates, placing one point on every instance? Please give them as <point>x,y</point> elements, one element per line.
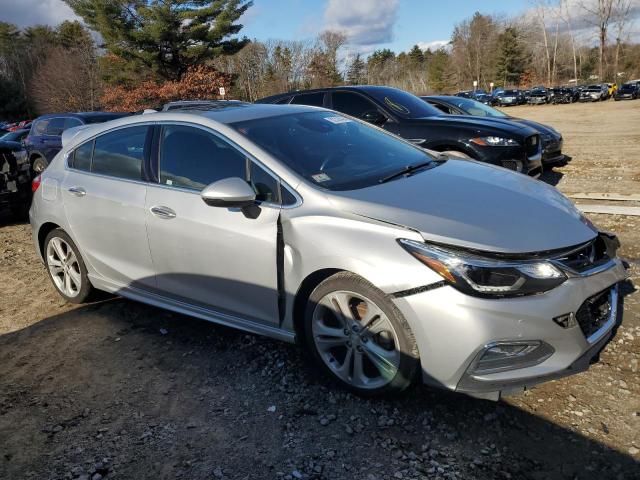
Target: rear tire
<point>358,336</point>
<point>66,268</point>
<point>39,165</point>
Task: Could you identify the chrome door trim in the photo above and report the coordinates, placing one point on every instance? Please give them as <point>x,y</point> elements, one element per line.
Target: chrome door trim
<point>161,211</point>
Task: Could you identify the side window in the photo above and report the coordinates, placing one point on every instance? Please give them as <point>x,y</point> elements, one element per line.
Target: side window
<point>287,197</point>
<point>71,122</point>
<point>442,108</point>
<point>313,99</point>
<point>120,154</point>
<point>265,186</point>
<point>352,104</point>
<point>81,158</point>
<point>193,158</point>
<point>55,126</point>
<point>282,101</point>
<point>40,127</point>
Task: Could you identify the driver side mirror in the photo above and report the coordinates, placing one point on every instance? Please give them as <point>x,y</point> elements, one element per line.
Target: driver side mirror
<point>231,192</point>
<point>373,116</point>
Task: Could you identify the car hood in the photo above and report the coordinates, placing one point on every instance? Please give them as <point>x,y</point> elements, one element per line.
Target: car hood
<point>543,129</point>
<point>10,145</point>
<point>473,205</point>
<point>475,122</point>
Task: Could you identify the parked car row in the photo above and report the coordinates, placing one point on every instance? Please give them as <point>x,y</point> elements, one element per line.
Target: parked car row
<point>385,261</point>
<point>558,95</point>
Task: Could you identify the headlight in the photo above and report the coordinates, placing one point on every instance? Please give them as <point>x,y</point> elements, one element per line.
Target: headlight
<point>482,276</point>
<point>494,142</point>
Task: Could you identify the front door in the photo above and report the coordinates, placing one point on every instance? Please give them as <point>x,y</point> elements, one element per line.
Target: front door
<point>223,259</point>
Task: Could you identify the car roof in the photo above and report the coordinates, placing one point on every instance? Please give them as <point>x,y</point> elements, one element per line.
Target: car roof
<point>83,115</point>
<point>355,88</point>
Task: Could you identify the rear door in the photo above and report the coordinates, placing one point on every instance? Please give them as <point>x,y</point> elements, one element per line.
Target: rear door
<point>104,193</point>
<point>223,259</point>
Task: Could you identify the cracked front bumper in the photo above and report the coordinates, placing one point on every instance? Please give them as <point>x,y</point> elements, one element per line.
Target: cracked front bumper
<point>452,329</point>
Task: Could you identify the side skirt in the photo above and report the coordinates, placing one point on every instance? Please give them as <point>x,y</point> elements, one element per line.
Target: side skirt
<point>177,306</point>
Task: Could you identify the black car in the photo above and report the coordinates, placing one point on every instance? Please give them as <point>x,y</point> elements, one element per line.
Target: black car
<point>507,98</point>
<point>563,95</point>
<point>628,91</point>
<point>511,145</point>
<point>550,137</point>
<point>539,96</point>
<point>15,174</point>
<point>44,139</point>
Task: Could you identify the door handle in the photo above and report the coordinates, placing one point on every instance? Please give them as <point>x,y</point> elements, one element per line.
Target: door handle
<point>78,191</point>
<point>163,212</point>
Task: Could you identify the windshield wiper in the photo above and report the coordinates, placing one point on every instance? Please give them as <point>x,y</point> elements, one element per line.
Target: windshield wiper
<point>409,169</point>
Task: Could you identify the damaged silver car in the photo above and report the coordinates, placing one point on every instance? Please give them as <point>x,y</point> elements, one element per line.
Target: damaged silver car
<point>385,262</point>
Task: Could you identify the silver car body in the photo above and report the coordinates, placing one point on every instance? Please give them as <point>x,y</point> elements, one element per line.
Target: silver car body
<point>164,246</point>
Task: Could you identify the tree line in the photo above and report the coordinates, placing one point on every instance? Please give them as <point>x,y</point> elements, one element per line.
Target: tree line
<point>134,54</point>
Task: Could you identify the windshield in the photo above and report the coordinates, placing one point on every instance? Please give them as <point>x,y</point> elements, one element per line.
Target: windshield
<point>478,109</point>
<point>403,104</point>
<point>331,150</point>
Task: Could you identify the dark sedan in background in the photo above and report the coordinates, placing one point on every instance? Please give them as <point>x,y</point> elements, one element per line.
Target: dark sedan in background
<point>512,145</point>
<point>551,138</point>
<point>628,91</point>
<point>44,139</point>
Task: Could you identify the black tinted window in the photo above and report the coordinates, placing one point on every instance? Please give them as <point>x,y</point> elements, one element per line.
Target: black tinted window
<point>193,158</point>
<point>40,127</point>
<point>71,122</point>
<point>56,126</point>
<point>120,153</point>
<point>265,186</point>
<point>352,104</point>
<point>282,101</point>
<point>81,159</point>
<point>313,99</point>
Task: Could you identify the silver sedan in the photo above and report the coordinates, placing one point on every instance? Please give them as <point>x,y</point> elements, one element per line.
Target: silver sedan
<point>385,262</point>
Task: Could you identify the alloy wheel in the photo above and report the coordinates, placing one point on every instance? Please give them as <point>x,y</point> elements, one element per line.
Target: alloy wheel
<point>64,267</point>
<point>356,339</point>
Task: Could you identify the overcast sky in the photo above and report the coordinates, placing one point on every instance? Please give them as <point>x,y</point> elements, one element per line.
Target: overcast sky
<point>370,24</point>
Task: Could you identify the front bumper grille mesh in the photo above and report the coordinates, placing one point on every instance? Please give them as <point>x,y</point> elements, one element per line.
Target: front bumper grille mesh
<point>594,312</point>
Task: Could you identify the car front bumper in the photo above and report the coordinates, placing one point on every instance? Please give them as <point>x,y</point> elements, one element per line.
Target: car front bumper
<point>452,329</point>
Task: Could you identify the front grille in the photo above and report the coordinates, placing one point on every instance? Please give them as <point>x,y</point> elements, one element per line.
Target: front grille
<point>594,312</point>
<point>532,145</point>
<point>585,258</point>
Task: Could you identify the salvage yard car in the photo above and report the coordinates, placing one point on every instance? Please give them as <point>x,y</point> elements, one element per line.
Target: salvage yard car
<point>43,141</point>
<point>513,146</point>
<point>385,263</point>
<point>594,93</point>
<point>628,91</point>
<point>15,176</point>
<point>551,138</point>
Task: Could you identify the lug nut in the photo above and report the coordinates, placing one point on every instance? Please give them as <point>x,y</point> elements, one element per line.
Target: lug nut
<point>359,349</point>
<point>364,339</point>
<point>347,332</point>
<point>349,344</point>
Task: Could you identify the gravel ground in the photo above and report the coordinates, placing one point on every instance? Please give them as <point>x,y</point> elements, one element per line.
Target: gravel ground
<point>117,389</point>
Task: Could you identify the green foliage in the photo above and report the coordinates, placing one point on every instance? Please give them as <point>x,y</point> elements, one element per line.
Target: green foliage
<point>416,56</point>
<point>512,61</point>
<point>165,36</point>
<point>356,71</point>
<point>438,65</point>
<point>378,57</point>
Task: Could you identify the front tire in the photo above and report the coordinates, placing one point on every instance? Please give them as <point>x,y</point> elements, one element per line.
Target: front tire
<point>66,268</point>
<point>358,336</point>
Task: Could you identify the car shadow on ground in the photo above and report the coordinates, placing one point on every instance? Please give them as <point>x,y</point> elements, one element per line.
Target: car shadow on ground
<point>144,392</point>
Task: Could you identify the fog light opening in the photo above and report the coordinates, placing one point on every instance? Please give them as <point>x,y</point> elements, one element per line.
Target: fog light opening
<point>502,356</point>
<point>567,320</point>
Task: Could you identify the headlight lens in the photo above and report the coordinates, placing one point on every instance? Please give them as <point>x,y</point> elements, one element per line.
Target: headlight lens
<point>495,142</point>
<point>482,276</point>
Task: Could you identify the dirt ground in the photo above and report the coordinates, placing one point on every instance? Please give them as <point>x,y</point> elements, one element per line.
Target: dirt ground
<point>117,389</point>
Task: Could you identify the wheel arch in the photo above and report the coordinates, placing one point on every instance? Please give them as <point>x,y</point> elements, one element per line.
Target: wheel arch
<point>43,231</point>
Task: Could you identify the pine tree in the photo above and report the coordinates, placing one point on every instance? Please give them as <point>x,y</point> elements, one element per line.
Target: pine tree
<point>416,56</point>
<point>355,74</point>
<point>166,37</point>
<point>512,61</point>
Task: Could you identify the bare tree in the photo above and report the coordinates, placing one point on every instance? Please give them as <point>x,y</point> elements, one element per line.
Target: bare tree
<point>621,20</point>
<point>599,14</point>
<point>565,14</point>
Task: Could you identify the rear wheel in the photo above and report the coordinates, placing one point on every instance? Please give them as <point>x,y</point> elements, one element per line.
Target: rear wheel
<point>66,268</point>
<point>39,165</point>
<point>359,336</point>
